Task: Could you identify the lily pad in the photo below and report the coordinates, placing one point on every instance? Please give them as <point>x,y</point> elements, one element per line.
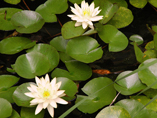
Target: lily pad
<point>134,108</point>
<point>113,112</point>
<point>97,99</point>
<point>128,85</point>
<point>150,93</point>
<point>121,3</point>
<point>14,114</point>
<point>84,49</point>
<point>70,31</point>
<point>49,52</point>
<point>30,113</point>
<point>5,108</point>
<point>138,3</point>
<point>153,2</point>
<point>27,21</point>
<point>11,80</point>
<point>68,85</point>
<point>59,43</point>
<point>5,18</point>
<point>19,97</point>
<point>150,72</point>
<point>136,38</point>
<point>32,64</point>
<point>12,1</point>
<point>116,39</point>
<point>122,18</point>
<point>75,1</point>
<point>13,45</point>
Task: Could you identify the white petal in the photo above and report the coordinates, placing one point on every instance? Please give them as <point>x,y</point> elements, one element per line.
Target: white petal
<point>62,95</point>
<point>60,92</point>
<point>50,110</point>
<point>96,18</point>
<point>37,80</point>
<point>78,24</point>
<point>47,78</point>
<point>53,82</point>
<point>58,85</point>
<point>83,4</point>
<point>61,101</point>
<point>38,109</point>
<point>75,11</point>
<point>34,87</point>
<point>91,26</point>
<point>84,25</point>
<point>53,104</point>
<point>71,16</point>
<point>29,94</point>
<point>30,89</point>
<point>77,7</point>
<point>34,101</point>
<point>95,12</point>
<point>90,23</point>
<point>45,104</point>
<point>91,7</point>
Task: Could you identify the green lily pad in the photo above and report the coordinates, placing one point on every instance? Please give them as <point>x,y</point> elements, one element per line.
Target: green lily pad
<point>121,3</point>
<point>155,41</point>
<point>150,72</point>
<point>14,114</point>
<point>134,108</point>
<point>31,64</point>
<point>46,14</point>
<point>100,98</point>
<point>59,43</point>
<point>75,1</point>
<point>30,113</point>
<point>128,85</point>
<point>77,71</point>
<point>13,45</point>
<point>12,1</point>
<point>27,21</point>
<point>150,45</point>
<point>19,97</point>
<point>64,57</point>
<point>5,18</point>
<point>70,31</point>
<point>84,49</point>
<point>154,28</point>
<point>5,108</point>
<point>122,18</point>
<point>138,3</point>
<point>150,54</point>
<point>153,2</point>
<point>150,93</point>
<point>11,80</point>
<point>144,100</point>
<point>107,10</point>
<point>136,38</point>
<point>8,94</point>
<point>113,112</point>
<point>68,85</point>
<point>116,39</point>
<point>49,52</point>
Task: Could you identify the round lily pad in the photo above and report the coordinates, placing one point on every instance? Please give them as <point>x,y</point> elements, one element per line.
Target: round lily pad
<point>113,112</point>
<point>150,72</point>
<point>12,1</point>
<point>27,21</point>
<point>5,108</point>
<point>13,45</point>
<point>138,3</point>
<point>130,84</point>
<point>100,94</point>
<point>84,49</point>
<point>5,18</point>
<point>32,64</point>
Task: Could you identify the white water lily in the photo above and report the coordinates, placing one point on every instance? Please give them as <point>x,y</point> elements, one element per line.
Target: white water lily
<point>46,94</point>
<point>85,15</point>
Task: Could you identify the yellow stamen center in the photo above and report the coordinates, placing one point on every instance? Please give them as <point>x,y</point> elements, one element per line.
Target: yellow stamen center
<point>46,94</point>
<point>85,12</point>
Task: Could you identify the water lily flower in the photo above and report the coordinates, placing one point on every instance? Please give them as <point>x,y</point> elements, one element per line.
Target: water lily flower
<point>46,94</point>
<point>85,15</point>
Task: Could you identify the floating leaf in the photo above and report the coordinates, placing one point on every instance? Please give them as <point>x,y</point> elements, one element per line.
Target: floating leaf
<point>84,49</point>
<point>32,64</point>
<point>59,43</point>
<point>14,114</point>
<point>138,3</point>
<point>122,18</point>
<point>134,108</point>
<point>70,31</point>
<point>68,85</point>
<point>153,2</point>
<point>49,52</point>
<point>5,108</point>
<point>5,18</point>
<point>27,21</point>
<point>99,99</point>
<point>150,93</point>
<point>113,112</point>
<point>144,100</point>
<point>150,72</point>
<point>77,71</point>
<point>121,3</point>
<point>19,97</point>
<point>13,45</point>
<point>6,81</point>
<point>64,57</point>
<point>30,113</point>
<point>12,1</point>
<point>136,38</point>
<point>128,85</point>
<point>116,39</point>
<point>75,1</point>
